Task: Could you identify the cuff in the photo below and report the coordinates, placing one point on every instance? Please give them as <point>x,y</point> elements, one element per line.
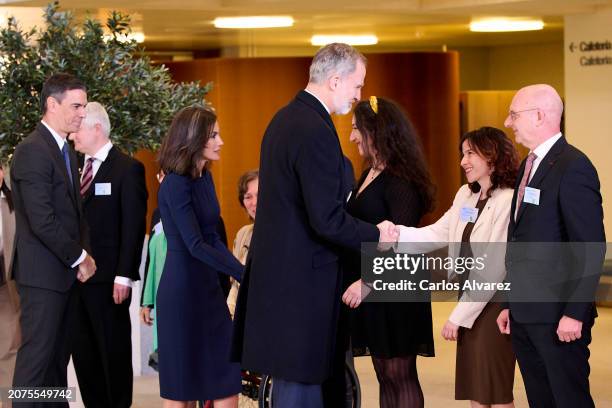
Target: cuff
<point>122,280</point>
<point>81,259</point>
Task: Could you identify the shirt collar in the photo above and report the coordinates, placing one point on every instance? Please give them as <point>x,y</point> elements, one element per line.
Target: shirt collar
<point>102,153</point>
<point>318,99</point>
<point>58,139</point>
<point>544,147</point>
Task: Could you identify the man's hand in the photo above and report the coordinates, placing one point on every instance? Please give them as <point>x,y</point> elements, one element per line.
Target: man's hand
<point>120,293</point>
<point>87,269</point>
<point>503,321</point>
<point>569,329</point>
<point>145,315</point>
<point>450,331</point>
<point>355,294</point>
<point>389,234</point>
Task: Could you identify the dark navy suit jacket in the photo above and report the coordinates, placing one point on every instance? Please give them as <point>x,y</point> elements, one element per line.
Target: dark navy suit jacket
<point>540,260</point>
<point>51,231</point>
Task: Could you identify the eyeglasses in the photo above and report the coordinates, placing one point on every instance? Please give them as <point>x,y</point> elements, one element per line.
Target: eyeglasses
<point>514,115</point>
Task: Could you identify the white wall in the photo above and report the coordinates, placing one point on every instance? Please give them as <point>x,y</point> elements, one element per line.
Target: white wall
<point>588,91</point>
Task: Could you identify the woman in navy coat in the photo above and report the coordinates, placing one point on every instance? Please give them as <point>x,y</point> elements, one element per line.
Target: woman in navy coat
<point>194,325</point>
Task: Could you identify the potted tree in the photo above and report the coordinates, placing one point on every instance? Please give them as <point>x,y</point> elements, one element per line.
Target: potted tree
<point>139,96</point>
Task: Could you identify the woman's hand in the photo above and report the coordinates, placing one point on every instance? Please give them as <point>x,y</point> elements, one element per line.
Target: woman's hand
<point>145,315</point>
<point>450,331</point>
<point>355,294</point>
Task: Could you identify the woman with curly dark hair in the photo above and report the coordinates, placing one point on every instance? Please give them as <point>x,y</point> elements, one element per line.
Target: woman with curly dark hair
<point>396,186</point>
<point>474,226</point>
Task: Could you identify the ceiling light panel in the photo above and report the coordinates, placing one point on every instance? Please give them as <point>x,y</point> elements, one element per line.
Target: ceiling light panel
<point>253,22</point>
<point>496,25</point>
<point>364,39</point>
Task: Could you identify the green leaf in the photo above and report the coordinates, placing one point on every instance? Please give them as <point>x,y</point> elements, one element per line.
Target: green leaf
<point>140,98</point>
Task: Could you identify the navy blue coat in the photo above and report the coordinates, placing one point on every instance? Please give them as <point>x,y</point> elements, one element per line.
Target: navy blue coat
<point>193,321</point>
<point>287,309</point>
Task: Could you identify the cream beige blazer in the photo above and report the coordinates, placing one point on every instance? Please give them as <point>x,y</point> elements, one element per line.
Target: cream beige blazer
<point>8,238</point>
<point>240,251</point>
<point>491,226</point>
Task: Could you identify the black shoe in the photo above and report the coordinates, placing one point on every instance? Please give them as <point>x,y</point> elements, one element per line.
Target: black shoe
<point>154,361</point>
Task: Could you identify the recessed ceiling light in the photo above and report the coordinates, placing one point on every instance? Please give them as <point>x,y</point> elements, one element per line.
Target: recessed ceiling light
<point>493,25</point>
<point>253,22</point>
<point>365,39</point>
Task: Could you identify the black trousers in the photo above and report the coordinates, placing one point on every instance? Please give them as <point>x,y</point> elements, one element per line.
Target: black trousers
<point>46,328</point>
<point>555,373</point>
<point>102,349</point>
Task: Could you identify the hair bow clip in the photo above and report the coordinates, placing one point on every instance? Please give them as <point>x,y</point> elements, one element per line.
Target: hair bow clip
<point>374,103</point>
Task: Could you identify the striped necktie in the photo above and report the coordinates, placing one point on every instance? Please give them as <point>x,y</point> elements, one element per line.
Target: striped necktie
<point>87,176</point>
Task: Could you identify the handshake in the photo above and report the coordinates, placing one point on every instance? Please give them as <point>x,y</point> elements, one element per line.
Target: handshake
<point>87,269</point>
<point>389,234</point>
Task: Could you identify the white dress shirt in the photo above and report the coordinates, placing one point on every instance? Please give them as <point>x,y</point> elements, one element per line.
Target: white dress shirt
<point>99,158</point>
<point>61,141</point>
<point>541,151</point>
<point>318,99</point>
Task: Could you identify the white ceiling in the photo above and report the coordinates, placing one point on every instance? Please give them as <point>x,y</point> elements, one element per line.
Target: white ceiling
<point>399,24</point>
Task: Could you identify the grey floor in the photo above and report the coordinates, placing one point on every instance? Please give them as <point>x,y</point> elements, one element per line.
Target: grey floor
<point>437,374</point>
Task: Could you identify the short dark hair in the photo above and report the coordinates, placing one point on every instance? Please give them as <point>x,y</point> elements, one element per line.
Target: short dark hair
<point>56,86</point>
<point>497,149</point>
<point>397,145</point>
<point>243,184</point>
<point>183,147</point>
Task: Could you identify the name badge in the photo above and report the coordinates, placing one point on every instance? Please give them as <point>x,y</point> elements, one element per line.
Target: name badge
<point>468,214</point>
<point>103,189</point>
<point>532,196</point>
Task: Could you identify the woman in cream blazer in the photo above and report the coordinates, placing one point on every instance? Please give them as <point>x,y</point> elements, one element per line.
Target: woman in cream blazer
<point>480,214</point>
<point>248,187</point>
<point>491,226</point>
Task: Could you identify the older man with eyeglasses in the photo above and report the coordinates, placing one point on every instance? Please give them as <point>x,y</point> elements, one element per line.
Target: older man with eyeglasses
<point>556,204</point>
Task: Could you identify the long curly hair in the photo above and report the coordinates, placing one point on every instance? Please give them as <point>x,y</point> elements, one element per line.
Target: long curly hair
<point>497,149</point>
<point>396,143</point>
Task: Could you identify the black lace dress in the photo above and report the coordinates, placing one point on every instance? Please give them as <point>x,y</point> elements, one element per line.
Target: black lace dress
<point>387,330</point>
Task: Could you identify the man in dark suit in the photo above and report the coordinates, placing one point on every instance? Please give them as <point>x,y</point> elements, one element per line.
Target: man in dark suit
<point>51,236</point>
<point>556,243</point>
<point>115,205</point>
<point>288,304</point>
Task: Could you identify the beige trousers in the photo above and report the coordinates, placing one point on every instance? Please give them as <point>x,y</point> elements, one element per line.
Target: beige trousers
<point>10,338</point>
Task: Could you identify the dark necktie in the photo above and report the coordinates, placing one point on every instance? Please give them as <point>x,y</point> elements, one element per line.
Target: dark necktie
<point>66,153</point>
<point>87,176</point>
